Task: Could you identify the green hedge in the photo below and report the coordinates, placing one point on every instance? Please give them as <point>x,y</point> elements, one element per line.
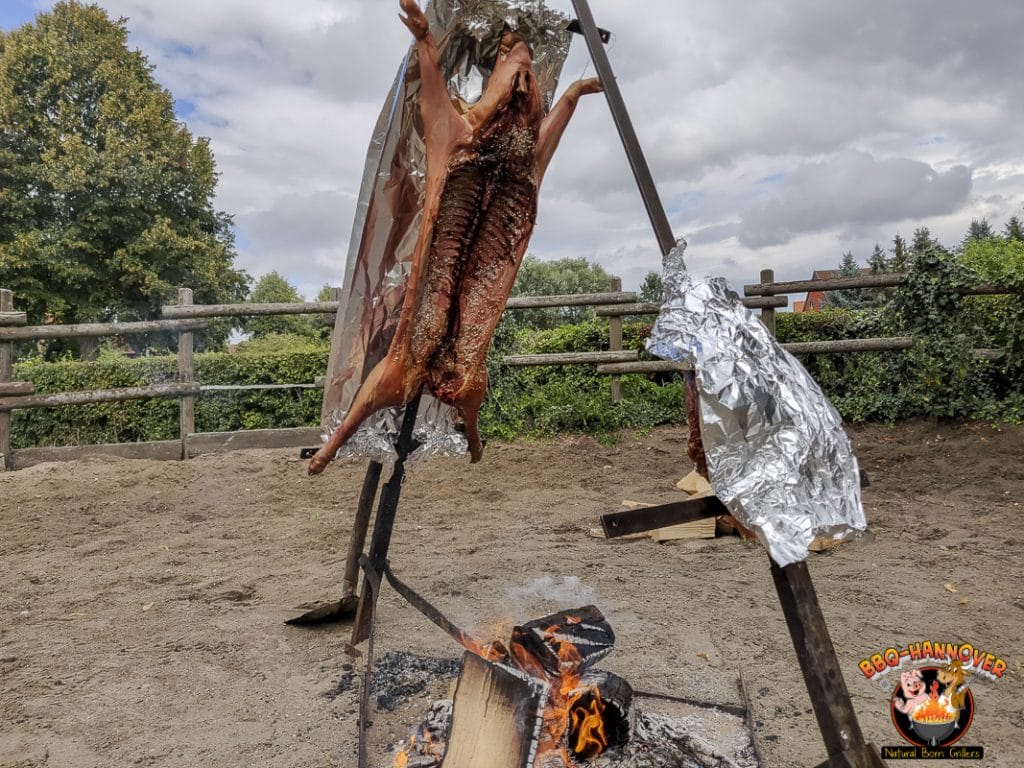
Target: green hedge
<point>521,401</point>
<point>145,420</point>
<point>549,400</point>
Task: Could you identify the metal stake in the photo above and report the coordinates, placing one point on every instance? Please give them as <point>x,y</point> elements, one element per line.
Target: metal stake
<point>637,161</point>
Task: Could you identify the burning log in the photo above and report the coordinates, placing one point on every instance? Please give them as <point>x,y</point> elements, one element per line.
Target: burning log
<point>542,641</point>
<point>541,704</point>
<point>602,717</point>
<point>503,718</point>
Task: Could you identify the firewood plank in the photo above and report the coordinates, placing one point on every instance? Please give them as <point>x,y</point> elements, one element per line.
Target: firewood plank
<point>495,718</point>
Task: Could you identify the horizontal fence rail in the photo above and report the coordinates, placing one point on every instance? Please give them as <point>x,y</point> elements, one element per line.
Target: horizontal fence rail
<point>58,399</point>
<point>653,308</point>
<point>880,280</point>
<point>572,358</point>
<point>99,330</point>
<point>188,311</point>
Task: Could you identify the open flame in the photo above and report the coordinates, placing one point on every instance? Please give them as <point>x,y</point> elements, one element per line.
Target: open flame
<point>588,725</point>
<point>575,724</point>
<point>935,711</point>
<point>565,716</point>
<point>420,743</point>
<point>402,758</point>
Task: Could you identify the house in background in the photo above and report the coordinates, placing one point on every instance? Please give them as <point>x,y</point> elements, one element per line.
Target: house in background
<point>815,300</point>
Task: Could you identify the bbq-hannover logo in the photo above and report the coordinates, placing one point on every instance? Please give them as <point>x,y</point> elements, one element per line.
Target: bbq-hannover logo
<point>931,701</point>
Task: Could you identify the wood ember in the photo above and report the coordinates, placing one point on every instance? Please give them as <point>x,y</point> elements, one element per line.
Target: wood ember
<point>398,677</point>
<point>542,705</point>
<point>586,628</point>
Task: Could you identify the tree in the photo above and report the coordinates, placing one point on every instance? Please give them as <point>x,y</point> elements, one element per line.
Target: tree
<point>979,230</point>
<point>900,255</point>
<point>106,201</point>
<point>852,298</point>
<point>879,260</point>
<point>273,288</point>
<point>653,288</point>
<point>1014,229</point>
<point>564,276</point>
<point>923,241</point>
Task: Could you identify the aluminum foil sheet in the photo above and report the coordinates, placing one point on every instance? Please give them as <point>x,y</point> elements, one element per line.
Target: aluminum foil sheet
<point>777,454</point>
<point>388,213</point>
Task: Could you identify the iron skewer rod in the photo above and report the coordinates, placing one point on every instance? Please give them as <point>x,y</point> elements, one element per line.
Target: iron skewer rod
<point>421,605</point>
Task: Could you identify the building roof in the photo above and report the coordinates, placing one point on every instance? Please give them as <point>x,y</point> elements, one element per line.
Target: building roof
<point>816,299</point>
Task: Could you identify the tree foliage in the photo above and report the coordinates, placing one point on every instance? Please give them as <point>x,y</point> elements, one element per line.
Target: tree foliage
<point>853,298</point>
<point>106,201</point>
<point>273,288</point>
<point>978,230</point>
<point>1014,229</point>
<point>879,260</point>
<point>900,255</point>
<point>551,278</point>
<point>653,288</point>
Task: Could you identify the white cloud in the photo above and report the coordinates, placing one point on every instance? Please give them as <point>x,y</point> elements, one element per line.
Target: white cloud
<point>780,134</point>
<point>850,190</point>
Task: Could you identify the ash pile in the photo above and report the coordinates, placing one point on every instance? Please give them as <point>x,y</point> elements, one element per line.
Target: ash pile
<point>540,702</point>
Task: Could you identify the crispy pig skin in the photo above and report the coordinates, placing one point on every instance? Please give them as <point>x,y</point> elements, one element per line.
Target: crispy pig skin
<point>484,170</point>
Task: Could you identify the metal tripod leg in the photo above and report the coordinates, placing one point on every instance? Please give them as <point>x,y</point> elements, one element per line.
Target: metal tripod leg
<point>385,522</point>
<point>345,608</point>
<point>830,699</point>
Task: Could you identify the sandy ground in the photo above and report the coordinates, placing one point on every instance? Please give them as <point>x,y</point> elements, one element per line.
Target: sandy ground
<point>142,604</point>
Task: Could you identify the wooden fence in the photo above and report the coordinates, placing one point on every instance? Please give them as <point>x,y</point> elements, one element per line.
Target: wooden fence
<point>185,318</point>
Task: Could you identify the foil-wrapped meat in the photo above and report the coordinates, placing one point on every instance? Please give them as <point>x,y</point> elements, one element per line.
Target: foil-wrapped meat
<point>484,169</point>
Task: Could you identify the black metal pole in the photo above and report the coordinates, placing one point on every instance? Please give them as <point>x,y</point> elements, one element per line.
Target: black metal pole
<point>836,717</point>
<point>360,526</point>
<point>385,522</point>
<point>637,161</point>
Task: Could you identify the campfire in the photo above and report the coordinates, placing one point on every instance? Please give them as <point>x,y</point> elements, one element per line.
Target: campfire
<point>537,702</point>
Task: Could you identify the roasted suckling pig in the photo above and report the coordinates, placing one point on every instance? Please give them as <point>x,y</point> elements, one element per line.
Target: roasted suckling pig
<point>484,169</point>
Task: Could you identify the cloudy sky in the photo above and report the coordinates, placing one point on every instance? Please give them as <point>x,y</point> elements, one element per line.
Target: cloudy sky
<point>781,134</point>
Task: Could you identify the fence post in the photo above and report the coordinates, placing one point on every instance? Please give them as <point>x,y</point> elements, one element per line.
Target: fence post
<point>615,339</point>
<point>6,371</point>
<point>768,313</point>
<point>186,375</point>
